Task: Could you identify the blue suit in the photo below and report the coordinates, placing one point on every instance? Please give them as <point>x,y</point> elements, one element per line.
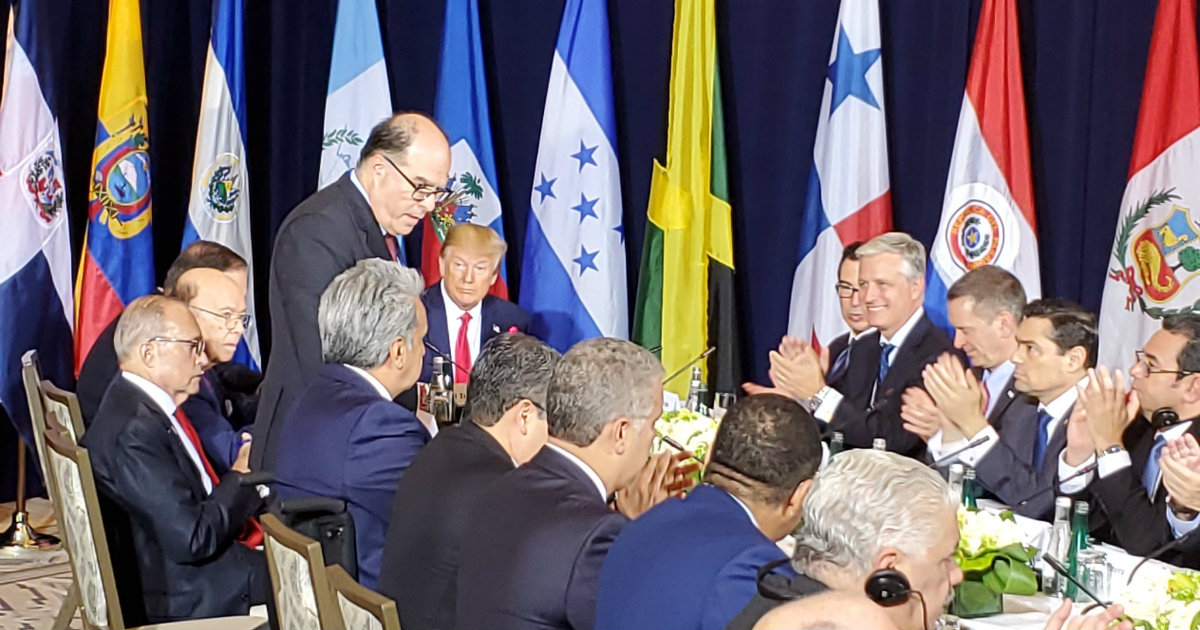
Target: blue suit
<point>342,439</point>
<point>686,564</point>
<point>206,410</point>
<point>496,316</point>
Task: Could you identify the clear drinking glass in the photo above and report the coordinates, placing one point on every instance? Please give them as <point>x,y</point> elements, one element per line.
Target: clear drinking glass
<point>722,401</point>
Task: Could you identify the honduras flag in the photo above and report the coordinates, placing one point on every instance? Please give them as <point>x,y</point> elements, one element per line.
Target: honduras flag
<point>462,111</point>
<point>219,209</point>
<point>849,196</point>
<point>35,258</point>
<point>573,277</point>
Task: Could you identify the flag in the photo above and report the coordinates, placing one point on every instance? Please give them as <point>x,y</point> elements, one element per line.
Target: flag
<point>462,111</point>
<point>35,259</point>
<point>358,96</point>
<point>117,264</point>
<point>685,291</point>
<point>219,208</point>
<point>573,276</point>
<point>849,194</point>
<point>1155,255</point>
<point>987,213</point>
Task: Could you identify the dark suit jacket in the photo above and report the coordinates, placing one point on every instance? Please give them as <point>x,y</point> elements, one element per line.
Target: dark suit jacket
<point>836,347</point>
<point>532,552</point>
<point>687,563</point>
<point>174,547</point>
<point>343,440</point>
<point>97,372</point>
<point>323,236</point>
<point>421,552</point>
<point>206,410</point>
<point>858,418</point>
<point>782,590</point>
<point>496,316</point>
<point>1006,471</point>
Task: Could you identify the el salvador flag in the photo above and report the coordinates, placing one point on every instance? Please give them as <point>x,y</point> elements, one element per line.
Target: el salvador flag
<point>573,276</point>
<point>849,195</point>
<point>35,246</point>
<point>219,209</point>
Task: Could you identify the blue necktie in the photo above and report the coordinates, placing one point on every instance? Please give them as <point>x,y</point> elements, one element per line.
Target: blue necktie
<point>1150,473</point>
<point>1039,446</point>
<point>885,352</point>
<point>838,369</point>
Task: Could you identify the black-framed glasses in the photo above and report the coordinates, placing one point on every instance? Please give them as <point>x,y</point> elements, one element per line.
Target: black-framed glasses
<point>231,319</point>
<point>845,289</point>
<point>424,191</point>
<point>196,344</point>
<point>1141,359</point>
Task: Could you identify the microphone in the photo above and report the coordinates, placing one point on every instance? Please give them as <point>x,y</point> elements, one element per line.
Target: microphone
<point>435,351</point>
<point>1075,475</point>
<point>945,459</point>
<point>702,355</point>
<point>1158,552</point>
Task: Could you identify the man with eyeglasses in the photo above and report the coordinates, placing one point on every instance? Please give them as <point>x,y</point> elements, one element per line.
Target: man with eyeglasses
<point>400,177</point>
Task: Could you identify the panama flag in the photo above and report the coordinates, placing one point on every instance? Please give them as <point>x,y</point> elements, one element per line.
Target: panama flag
<point>117,265</point>
<point>849,196</point>
<point>987,213</point>
<point>462,111</point>
<point>35,259</point>
<point>219,209</point>
<point>573,276</point>
<point>358,96</point>
<point>1156,250</point>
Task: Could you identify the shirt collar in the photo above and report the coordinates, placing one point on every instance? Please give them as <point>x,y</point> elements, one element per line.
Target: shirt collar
<point>372,381</point>
<point>999,376</point>
<point>744,507</point>
<point>582,465</point>
<point>453,312</point>
<point>358,184</point>
<point>156,393</point>
<point>1175,431</point>
<point>897,339</point>
<point>1059,406</point>
<point>856,336</point>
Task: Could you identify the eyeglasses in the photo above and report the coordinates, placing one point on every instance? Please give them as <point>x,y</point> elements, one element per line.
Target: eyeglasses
<point>845,289</point>
<point>196,344</point>
<point>231,319</point>
<point>1141,359</point>
<point>424,191</point>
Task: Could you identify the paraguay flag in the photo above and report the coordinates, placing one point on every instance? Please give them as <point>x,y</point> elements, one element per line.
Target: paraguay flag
<point>987,214</point>
<point>849,194</point>
<point>573,277</point>
<point>118,254</point>
<point>35,259</point>
<point>219,208</point>
<point>462,111</point>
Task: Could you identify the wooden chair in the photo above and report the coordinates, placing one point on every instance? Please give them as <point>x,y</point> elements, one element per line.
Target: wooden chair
<point>361,608</point>
<point>303,598</point>
<point>65,405</point>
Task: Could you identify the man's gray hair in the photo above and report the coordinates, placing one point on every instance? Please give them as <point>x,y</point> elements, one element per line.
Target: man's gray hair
<point>866,501</point>
<point>510,368</point>
<point>141,321</point>
<point>365,308</point>
<point>598,381</point>
<point>910,250</point>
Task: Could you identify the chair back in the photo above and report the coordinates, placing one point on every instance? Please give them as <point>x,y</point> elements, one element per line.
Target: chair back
<point>31,375</point>
<point>78,509</point>
<point>361,608</point>
<point>65,405</point>
<point>302,595</point>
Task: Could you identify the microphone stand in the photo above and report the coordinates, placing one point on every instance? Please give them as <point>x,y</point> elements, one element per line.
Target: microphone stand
<point>1079,473</point>
<point>702,355</point>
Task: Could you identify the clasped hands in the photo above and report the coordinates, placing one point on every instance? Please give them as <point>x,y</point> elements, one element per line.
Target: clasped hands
<point>664,475</point>
<point>797,370</point>
<point>1102,412</point>
<point>952,401</point>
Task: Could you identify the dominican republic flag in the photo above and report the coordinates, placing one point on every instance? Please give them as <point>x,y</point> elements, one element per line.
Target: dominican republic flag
<point>117,265</point>
<point>987,214</point>
<point>849,194</point>
<point>462,111</point>
<point>573,277</point>
<point>35,258</point>
<point>219,209</point>
<point>1156,251</point>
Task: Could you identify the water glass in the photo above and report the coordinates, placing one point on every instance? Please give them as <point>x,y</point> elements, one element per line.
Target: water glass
<point>722,401</point>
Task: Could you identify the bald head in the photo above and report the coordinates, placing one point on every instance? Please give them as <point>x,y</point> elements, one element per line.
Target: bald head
<point>831,610</point>
<point>403,166</point>
<point>218,304</point>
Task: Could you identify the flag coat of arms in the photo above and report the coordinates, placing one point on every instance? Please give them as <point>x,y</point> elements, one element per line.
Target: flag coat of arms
<point>117,265</point>
<point>987,212</point>
<point>1156,250</point>
<point>462,111</point>
<point>219,208</point>
<point>849,193</point>
<point>573,274</point>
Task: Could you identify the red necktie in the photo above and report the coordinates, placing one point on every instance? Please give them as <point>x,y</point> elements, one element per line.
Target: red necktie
<point>393,247</point>
<point>251,534</point>
<point>462,351</point>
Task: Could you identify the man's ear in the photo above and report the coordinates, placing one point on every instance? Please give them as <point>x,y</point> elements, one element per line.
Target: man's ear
<point>399,352</point>
<point>794,505</point>
<point>886,559</point>
<point>148,354</point>
<point>620,432</point>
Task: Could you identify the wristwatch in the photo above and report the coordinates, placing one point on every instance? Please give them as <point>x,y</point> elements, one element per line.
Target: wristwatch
<point>1180,512</point>
<point>818,398</point>
<point>1111,450</point>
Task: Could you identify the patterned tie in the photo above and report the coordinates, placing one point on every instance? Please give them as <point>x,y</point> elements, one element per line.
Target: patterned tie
<point>251,534</point>
<point>393,246</point>
<point>462,351</point>
<point>885,353</point>
<point>838,369</point>
<point>1039,446</point>
<point>1150,473</point>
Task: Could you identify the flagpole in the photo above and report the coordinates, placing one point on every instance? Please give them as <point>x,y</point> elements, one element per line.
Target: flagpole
<point>20,534</point>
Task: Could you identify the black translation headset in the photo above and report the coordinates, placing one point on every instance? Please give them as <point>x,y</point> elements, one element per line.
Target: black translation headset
<point>889,587</point>
<point>1163,418</point>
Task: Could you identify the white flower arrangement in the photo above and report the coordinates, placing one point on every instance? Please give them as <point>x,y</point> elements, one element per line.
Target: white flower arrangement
<point>689,429</point>
<point>984,530</point>
<point>1162,599</point>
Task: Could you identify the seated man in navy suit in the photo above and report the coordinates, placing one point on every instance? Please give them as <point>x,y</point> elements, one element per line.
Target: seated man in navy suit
<point>692,563</point>
<point>462,316</point>
<point>344,438</point>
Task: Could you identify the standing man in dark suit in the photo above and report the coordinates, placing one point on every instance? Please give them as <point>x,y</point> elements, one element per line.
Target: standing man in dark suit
<point>172,522</point>
<point>345,438</point>
<point>398,180</point>
<point>462,315</point>
<point>532,551</point>
<point>504,427</point>
<point>853,313</point>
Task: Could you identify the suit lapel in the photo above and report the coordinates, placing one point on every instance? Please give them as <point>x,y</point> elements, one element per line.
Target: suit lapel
<point>1056,443</point>
<point>438,335</point>
<point>364,218</point>
<point>147,407</point>
<point>905,359</point>
<point>487,320</point>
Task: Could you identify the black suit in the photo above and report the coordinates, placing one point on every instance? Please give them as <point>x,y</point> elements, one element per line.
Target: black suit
<point>861,420</point>
<point>322,237</point>
<point>532,552</point>
<point>836,348</point>
<point>496,316</point>
<point>97,372</point>
<point>1007,470</point>
<point>782,589</point>
<point>429,516</point>
<point>173,545</point>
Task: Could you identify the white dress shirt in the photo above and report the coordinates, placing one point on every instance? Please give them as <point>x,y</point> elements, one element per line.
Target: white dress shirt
<point>454,322</point>
<point>833,398</point>
<point>994,381</point>
<point>164,402</point>
<point>587,470</point>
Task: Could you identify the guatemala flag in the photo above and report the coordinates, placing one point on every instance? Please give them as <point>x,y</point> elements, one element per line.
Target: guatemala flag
<point>219,209</point>
<point>573,277</point>
<point>35,258</point>
<point>987,214</point>
<point>849,196</point>
<point>462,111</point>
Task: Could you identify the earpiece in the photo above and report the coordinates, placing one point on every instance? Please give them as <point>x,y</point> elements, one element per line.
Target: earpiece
<point>888,587</point>
<point>1163,418</point>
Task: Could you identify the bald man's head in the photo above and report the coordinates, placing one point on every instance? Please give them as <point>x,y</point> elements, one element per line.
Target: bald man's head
<point>219,306</point>
<point>831,610</point>
<point>404,167</point>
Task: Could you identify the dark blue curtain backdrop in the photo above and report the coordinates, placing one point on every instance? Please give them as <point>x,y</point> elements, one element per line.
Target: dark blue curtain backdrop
<point>1083,65</point>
